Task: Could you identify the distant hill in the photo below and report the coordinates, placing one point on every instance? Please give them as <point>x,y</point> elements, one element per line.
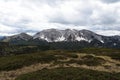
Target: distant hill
<point>1,37</point>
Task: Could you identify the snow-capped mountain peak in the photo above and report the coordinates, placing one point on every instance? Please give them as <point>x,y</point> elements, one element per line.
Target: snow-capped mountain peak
<point>55,35</point>
<point>83,37</point>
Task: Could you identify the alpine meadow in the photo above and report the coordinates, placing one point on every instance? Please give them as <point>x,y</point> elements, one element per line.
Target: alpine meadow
<point>59,39</point>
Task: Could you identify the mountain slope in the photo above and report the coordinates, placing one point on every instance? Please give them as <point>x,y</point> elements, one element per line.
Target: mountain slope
<point>18,37</point>
<point>61,38</point>
<point>77,38</point>
<point>1,37</point>
<point>54,35</point>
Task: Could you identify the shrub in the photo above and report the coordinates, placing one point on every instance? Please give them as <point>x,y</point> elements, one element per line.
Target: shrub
<point>69,74</point>
<point>88,60</point>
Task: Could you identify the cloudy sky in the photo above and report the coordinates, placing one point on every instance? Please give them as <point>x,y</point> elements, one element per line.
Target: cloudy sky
<point>31,16</point>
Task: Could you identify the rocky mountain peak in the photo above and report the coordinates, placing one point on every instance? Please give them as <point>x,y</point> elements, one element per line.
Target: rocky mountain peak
<point>67,35</point>
<point>54,35</point>
<point>21,36</point>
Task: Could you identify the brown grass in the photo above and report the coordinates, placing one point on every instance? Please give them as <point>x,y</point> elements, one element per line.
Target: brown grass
<point>109,66</point>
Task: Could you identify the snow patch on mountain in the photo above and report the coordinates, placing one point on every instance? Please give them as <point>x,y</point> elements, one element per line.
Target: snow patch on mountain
<point>81,39</point>
<point>54,35</point>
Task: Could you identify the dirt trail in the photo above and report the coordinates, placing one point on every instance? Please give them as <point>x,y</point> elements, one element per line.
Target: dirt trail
<point>109,66</point>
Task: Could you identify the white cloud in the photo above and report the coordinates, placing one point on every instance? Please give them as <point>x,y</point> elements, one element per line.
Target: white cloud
<point>8,29</point>
<point>35,15</point>
<point>108,32</point>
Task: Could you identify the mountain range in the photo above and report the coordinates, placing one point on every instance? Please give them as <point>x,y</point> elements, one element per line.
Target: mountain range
<point>70,36</point>
<point>1,37</point>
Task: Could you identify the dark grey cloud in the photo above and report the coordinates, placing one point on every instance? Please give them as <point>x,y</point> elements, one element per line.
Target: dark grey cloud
<point>100,27</point>
<point>107,19</point>
<point>110,1</point>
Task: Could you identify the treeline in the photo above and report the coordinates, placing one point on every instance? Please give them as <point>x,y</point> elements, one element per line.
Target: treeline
<point>21,48</point>
<point>10,49</point>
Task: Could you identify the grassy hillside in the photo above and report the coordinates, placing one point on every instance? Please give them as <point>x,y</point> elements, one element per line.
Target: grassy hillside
<point>83,64</point>
<point>69,74</point>
<point>18,61</point>
<point>113,53</point>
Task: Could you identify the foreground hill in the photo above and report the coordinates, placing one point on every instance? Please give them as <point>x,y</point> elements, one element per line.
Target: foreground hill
<point>69,74</point>
<point>94,62</point>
